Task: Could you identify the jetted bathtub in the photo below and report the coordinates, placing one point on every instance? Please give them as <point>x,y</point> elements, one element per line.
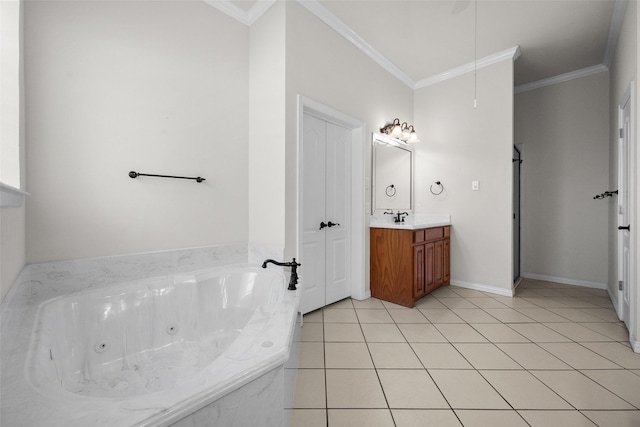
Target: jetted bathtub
<point>153,352</point>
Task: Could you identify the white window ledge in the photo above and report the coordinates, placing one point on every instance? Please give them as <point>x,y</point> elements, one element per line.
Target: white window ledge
<point>11,197</point>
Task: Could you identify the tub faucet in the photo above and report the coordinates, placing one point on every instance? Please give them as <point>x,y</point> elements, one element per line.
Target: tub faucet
<point>293,281</point>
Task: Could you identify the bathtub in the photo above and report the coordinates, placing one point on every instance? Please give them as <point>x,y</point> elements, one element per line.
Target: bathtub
<point>157,351</point>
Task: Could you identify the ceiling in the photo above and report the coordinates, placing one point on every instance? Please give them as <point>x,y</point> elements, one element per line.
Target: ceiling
<point>424,38</point>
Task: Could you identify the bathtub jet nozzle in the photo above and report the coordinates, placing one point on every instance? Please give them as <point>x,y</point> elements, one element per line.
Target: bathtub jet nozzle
<point>293,281</point>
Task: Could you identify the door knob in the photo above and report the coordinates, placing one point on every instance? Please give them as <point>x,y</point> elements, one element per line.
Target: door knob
<point>620,227</point>
<point>323,225</point>
<point>332,224</point>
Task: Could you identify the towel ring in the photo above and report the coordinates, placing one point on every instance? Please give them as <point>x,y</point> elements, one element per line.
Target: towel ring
<point>439,184</point>
<point>390,191</point>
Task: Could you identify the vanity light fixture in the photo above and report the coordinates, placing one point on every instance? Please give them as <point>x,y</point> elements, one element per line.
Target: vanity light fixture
<point>404,132</point>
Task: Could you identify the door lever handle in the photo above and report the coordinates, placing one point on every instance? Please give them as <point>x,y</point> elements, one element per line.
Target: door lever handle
<point>332,224</point>
<point>622,227</point>
<point>323,225</point>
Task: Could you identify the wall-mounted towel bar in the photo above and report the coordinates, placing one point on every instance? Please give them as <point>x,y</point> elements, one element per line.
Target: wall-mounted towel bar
<point>133,174</point>
<point>605,194</point>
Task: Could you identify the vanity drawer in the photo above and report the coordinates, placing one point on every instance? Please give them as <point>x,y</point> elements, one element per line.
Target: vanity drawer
<point>427,234</point>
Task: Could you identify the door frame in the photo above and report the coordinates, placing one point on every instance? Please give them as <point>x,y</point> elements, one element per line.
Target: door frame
<point>628,97</point>
<point>516,280</point>
<point>358,155</point>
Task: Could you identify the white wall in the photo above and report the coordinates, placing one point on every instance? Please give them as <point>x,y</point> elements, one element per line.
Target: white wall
<point>323,66</point>
<point>564,129</point>
<point>12,142</point>
<point>156,87</point>
<point>267,128</point>
<point>460,144</point>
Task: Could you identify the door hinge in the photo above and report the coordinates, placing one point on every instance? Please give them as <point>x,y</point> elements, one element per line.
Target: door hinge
<point>621,133</point>
<point>620,287</point>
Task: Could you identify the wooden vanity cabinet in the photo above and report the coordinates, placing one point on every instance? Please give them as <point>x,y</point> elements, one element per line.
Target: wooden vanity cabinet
<point>408,264</point>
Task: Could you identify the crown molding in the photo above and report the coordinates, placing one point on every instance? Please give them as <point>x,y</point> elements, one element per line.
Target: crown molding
<point>323,14</point>
<point>511,53</point>
<point>245,17</point>
<point>619,10</point>
<point>561,78</point>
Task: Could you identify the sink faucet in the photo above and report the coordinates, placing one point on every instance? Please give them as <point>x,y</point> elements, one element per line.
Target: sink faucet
<point>293,281</point>
<point>400,216</point>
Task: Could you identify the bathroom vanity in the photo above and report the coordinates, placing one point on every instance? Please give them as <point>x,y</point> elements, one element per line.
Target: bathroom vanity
<point>409,260</point>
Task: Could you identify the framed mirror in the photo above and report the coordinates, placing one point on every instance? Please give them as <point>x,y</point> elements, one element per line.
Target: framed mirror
<point>391,175</point>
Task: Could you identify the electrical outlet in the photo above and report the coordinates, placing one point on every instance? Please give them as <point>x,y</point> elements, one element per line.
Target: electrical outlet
<point>475,185</point>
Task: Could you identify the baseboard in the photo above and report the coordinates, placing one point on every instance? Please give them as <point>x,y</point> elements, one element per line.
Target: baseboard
<point>483,288</point>
<point>635,344</point>
<point>614,301</point>
<point>565,280</point>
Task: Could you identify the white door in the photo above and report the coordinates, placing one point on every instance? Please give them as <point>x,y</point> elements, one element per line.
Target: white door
<point>326,194</point>
<point>624,209</point>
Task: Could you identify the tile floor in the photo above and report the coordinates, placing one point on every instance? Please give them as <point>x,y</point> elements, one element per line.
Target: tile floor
<point>554,355</point>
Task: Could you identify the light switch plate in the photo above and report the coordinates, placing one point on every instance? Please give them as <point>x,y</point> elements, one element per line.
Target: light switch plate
<point>475,185</point>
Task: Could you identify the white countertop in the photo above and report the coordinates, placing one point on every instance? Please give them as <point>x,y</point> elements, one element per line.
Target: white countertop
<point>411,222</point>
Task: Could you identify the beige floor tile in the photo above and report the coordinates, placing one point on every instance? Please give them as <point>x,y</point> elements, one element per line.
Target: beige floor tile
<point>537,332</point>
<point>421,333</point>
<point>514,302</point>
<point>360,418</point>
<point>618,382</point>
<point>406,315</point>
<point>429,302</point>
<point>411,389</point>
<point>542,315</point>
<point>460,333</point>
<point>508,315</point>
<point>486,356</point>
<point>440,356</point>
<point>604,314</point>
<point>575,314</point>
<point>524,391</point>
<point>314,317</point>
<point>545,302</point>
<point>615,331</point>
<point>472,418</point>
<point>308,418</point>
<point>636,371</point>
<point>354,389</point>
<point>571,302</point>
<point>576,332</point>
<point>531,356</point>
<point>343,332</point>
<point>604,302</point>
<point>614,418</point>
<point>368,303</point>
<point>373,315</point>
<point>309,389</point>
<point>498,333</point>
<point>486,303</point>
<point>578,357</point>
<point>474,315</point>
<point>382,332</point>
<point>311,355</point>
<point>388,304</point>
<point>580,391</point>
<point>444,292</point>
<point>340,315</point>
<point>425,418</point>
<point>467,389</point>
<point>311,331</point>
<point>458,302</point>
<point>468,293</point>
<point>556,419</point>
<point>393,355</point>
<point>347,355</point>
<point>345,303</point>
<point>617,353</point>
<point>441,315</point>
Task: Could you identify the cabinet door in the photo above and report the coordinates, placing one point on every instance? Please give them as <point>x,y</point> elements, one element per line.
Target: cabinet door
<point>447,261</point>
<point>419,269</point>
<point>438,263</point>
<point>429,279</point>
